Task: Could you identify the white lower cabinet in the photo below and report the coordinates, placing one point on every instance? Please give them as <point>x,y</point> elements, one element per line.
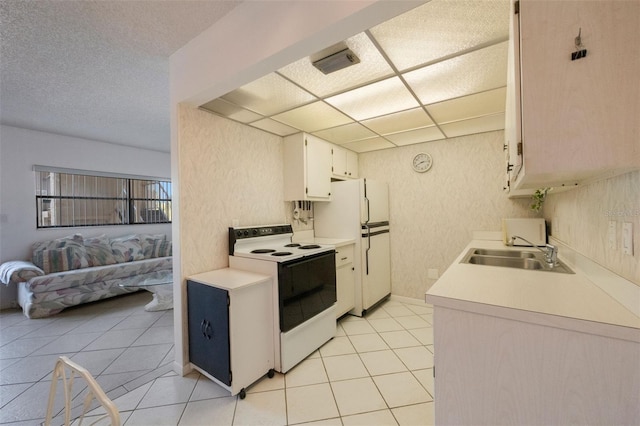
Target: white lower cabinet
<point>230,327</point>
<point>514,372</point>
<point>345,280</point>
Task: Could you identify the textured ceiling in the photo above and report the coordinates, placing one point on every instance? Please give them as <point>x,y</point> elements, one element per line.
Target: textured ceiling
<point>96,69</point>
<point>100,70</point>
<point>435,72</point>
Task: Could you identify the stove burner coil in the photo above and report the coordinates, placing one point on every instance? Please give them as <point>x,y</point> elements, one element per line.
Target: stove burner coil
<point>281,253</point>
<point>293,245</point>
<point>309,246</point>
<point>260,251</point>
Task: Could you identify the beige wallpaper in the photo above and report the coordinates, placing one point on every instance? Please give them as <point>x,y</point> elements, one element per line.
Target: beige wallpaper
<point>433,214</point>
<point>231,171</point>
<point>580,218</point>
<point>227,171</point>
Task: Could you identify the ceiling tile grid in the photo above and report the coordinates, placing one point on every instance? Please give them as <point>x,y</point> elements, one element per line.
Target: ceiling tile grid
<point>435,72</point>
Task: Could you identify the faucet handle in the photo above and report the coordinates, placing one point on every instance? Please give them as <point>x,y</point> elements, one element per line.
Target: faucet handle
<point>552,254</point>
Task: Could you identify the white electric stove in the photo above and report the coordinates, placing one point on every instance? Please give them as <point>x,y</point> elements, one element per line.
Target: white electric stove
<point>304,291</point>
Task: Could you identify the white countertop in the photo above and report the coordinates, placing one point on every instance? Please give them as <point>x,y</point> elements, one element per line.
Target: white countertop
<point>570,301</point>
<point>338,242</point>
<point>229,279</point>
<point>307,237</point>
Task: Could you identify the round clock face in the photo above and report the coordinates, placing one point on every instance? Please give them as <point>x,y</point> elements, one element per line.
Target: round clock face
<point>422,162</point>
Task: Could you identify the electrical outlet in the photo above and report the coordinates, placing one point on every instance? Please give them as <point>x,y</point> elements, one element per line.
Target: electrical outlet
<point>612,234</point>
<point>627,238</point>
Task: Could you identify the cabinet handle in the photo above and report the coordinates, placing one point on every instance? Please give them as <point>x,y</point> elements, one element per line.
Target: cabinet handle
<point>208,330</point>
<point>344,258</point>
<point>205,327</point>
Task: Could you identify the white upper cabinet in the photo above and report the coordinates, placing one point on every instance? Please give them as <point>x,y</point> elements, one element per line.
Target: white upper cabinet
<point>345,163</point>
<point>578,120</point>
<point>307,168</point>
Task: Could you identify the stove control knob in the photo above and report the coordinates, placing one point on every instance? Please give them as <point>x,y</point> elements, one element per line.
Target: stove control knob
<point>239,233</point>
<point>246,233</point>
<point>255,232</point>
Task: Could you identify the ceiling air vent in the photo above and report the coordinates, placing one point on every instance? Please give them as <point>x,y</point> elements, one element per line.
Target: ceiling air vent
<point>337,61</point>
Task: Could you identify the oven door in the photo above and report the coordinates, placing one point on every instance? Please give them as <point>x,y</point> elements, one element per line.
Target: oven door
<point>306,287</point>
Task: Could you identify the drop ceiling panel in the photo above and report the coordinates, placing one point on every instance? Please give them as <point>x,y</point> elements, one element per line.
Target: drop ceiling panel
<point>466,107</point>
<point>476,125</point>
<point>474,72</point>
<point>452,61</point>
<point>347,133</point>
<point>268,95</point>
<point>399,121</point>
<point>416,136</point>
<point>372,67</point>
<point>375,99</point>
<point>372,144</point>
<point>229,110</point>
<point>275,127</point>
<point>313,117</point>
<point>441,28</point>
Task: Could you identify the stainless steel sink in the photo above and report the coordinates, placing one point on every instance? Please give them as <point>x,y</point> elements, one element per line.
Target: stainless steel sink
<point>504,253</point>
<point>509,262</point>
<point>513,259</point>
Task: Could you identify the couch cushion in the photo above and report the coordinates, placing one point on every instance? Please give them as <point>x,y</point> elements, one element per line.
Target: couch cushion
<point>60,259</point>
<point>99,251</point>
<point>80,277</point>
<point>162,249</point>
<point>76,256</point>
<point>147,241</point>
<point>127,248</point>
<point>70,240</point>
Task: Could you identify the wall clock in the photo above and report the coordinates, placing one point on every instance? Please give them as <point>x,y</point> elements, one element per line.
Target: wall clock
<point>422,162</point>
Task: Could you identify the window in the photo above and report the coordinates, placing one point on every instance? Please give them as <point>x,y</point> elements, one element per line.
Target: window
<point>71,198</point>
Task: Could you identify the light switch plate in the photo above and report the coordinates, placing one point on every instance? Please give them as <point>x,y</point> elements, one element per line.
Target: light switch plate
<point>612,235</point>
<point>627,238</point>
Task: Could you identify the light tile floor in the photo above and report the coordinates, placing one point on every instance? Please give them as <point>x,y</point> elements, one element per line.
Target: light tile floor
<point>378,370</point>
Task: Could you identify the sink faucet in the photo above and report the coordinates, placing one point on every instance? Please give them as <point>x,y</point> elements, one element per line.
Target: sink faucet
<point>550,254</point>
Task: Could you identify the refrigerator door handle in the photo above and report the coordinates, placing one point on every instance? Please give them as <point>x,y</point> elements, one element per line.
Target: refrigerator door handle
<point>366,200</point>
<point>366,253</point>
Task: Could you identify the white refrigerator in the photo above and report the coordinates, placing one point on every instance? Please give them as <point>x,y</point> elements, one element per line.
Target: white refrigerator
<point>359,210</point>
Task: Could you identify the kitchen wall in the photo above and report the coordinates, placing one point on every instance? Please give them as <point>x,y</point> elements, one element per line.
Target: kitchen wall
<point>21,149</point>
<point>580,218</point>
<point>227,171</point>
<point>433,214</point>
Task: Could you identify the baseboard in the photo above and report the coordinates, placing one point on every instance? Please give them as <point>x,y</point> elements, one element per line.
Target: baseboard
<point>409,300</point>
<point>182,370</point>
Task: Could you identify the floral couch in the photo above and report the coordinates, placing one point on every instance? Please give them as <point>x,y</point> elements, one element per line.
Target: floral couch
<point>73,270</point>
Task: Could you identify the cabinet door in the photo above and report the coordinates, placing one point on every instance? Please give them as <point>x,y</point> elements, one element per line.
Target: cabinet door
<point>339,157</point>
<point>318,162</point>
<point>352,164</point>
<point>579,117</point>
<point>512,128</point>
<point>208,314</point>
<point>345,289</point>
<point>345,280</point>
